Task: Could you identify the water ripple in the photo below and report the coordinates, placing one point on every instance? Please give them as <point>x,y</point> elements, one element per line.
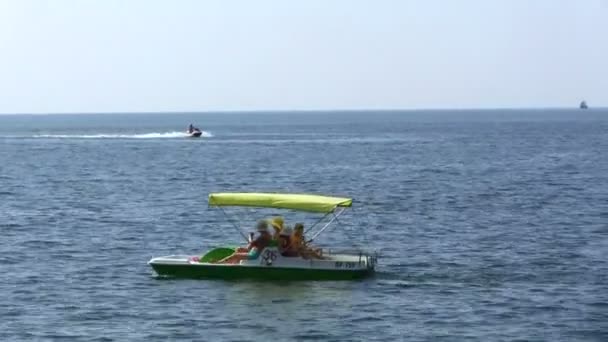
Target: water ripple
<point>488,227</point>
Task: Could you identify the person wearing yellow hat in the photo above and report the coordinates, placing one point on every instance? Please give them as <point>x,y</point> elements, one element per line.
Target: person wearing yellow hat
<point>277,224</point>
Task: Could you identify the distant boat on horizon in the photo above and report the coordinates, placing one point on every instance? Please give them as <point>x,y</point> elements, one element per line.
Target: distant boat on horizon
<point>583,105</point>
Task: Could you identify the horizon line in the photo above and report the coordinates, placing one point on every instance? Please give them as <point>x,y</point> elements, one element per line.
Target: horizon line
<point>274,111</point>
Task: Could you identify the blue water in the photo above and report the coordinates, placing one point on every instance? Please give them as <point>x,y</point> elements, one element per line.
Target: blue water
<point>491,225</point>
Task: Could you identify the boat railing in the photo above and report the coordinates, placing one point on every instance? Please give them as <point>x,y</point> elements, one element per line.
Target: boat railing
<point>346,250</point>
<point>369,256</point>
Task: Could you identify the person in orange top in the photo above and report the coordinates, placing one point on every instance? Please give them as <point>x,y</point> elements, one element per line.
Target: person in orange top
<point>285,247</point>
<point>297,237</point>
<point>298,244</point>
<point>254,248</point>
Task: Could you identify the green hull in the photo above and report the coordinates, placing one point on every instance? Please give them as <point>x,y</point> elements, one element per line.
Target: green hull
<point>269,273</point>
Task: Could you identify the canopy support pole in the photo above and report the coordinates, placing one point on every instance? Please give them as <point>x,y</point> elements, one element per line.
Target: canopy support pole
<point>316,223</point>
<point>238,228</point>
<point>327,224</point>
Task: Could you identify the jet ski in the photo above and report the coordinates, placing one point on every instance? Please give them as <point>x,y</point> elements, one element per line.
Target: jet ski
<point>196,133</point>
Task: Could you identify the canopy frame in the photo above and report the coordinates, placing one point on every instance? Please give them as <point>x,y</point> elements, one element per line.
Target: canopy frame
<point>340,205</point>
<point>334,218</point>
<point>235,225</point>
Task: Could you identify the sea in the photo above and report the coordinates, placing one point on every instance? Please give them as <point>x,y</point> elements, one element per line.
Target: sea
<point>490,225</point>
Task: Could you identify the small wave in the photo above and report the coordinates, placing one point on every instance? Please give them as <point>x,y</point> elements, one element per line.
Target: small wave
<point>122,136</point>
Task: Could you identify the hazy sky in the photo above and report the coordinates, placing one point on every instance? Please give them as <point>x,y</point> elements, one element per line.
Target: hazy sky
<point>108,56</point>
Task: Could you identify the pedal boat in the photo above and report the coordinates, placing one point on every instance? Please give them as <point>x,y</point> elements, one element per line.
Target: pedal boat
<point>271,265</point>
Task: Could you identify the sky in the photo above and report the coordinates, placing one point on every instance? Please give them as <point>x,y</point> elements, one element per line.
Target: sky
<point>84,56</point>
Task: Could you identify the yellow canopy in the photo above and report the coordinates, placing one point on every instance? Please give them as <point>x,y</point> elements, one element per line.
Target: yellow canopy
<point>312,203</point>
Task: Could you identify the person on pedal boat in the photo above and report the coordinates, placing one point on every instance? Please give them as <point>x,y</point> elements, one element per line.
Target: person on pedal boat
<point>277,224</point>
<point>298,244</point>
<point>285,247</point>
<point>254,248</point>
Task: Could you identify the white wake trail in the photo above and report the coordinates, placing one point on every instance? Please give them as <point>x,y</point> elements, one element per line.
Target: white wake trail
<point>165,135</point>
